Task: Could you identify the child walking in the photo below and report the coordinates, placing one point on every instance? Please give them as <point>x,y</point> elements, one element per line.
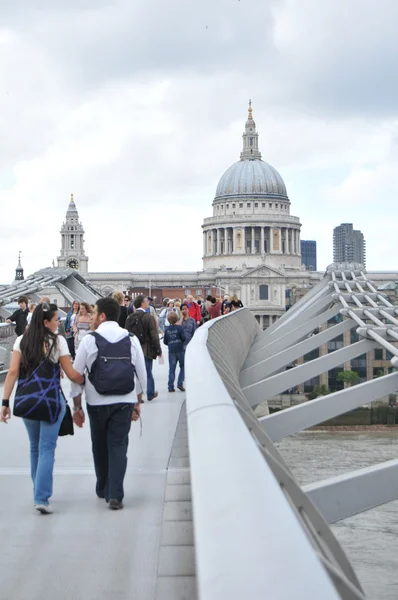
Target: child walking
<point>174,338</point>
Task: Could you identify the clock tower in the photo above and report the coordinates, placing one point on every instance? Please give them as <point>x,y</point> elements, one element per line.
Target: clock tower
<point>72,243</point>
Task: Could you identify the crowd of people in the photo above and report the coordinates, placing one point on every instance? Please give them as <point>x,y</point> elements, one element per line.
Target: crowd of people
<point>113,367</point>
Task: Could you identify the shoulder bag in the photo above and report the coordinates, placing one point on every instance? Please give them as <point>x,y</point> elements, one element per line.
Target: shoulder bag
<point>39,397</point>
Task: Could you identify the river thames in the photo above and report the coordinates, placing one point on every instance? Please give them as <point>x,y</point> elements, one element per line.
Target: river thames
<point>371,538</point>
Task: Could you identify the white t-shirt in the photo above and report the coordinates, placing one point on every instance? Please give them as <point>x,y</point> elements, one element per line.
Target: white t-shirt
<point>60,348</point>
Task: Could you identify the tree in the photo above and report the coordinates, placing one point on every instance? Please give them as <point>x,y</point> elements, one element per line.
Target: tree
<point>349,378</point>
<point>319,390</point>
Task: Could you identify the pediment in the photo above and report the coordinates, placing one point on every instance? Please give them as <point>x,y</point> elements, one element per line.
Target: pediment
<point>263,271</point>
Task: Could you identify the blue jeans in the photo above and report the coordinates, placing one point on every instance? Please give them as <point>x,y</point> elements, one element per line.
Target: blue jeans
<point>150,385</point>
<point>175,357</point>
<point>110,427</point>
<point>43,441</point>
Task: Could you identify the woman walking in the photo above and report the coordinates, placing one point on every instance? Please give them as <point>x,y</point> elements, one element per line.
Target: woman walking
<point>69,324</point>
<point>82,323</point>
<point>40,347</point>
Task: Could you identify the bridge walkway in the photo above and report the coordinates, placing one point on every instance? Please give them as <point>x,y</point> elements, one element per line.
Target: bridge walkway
<point>85,551</point>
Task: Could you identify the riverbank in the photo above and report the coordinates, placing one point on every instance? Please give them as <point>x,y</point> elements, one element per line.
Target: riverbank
<point>355,428</point>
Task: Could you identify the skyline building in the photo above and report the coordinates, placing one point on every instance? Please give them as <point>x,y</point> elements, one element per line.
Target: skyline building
<point>308,254</point>
<point>348,244</point>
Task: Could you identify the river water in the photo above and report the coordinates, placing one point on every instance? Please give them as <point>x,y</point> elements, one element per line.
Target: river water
<point>370,539</point>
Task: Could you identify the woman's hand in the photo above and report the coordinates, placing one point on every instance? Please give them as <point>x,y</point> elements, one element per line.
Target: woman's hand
<point>5,414</point>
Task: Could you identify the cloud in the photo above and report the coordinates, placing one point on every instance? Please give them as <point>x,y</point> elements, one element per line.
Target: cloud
<point>138,108</point>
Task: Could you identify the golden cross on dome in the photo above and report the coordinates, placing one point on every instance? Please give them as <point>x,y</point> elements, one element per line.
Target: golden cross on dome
<point>250,110</point>
<point>71,198</point>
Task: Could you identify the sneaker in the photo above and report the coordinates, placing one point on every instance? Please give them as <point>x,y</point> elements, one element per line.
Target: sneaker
<point>156,394</point>
<point>44,509</point>
<point>115,504</point>
<point>173,390</point>
<point>181,387</point>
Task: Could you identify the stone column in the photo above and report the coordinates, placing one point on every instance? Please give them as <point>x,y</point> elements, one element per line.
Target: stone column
<point>218,241</point>
<point>262,243</point>
<point>297,243</point>
<point>225,240</point>
<point>253,245</point>
<point>212,243</point>
<point>204,243</point>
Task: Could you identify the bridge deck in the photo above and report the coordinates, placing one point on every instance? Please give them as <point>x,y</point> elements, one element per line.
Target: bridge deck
<point>83,550</point>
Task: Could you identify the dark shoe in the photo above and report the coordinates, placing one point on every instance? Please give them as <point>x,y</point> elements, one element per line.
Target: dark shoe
<point>173,390</point>
<point>115,504</point>
<point>156,394</point>
<point>181,387</point>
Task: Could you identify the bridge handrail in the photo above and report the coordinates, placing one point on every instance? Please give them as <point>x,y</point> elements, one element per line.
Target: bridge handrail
<point>245,527</point>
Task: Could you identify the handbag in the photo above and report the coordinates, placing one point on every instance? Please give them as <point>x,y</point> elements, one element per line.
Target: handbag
<point>67,422</point>
<point>38,397</point>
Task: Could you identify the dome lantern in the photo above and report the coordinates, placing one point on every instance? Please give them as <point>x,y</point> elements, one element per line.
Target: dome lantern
<point>250,139</point>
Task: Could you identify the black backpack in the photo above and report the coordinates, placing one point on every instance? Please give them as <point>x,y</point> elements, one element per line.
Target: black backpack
<point>112,373</point>
<point>134,325</point>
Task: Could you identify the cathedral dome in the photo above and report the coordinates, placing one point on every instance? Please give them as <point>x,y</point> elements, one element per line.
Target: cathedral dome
<point>251,178</point>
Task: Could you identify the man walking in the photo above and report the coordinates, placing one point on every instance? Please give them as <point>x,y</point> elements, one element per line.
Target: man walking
<point>214,308</point>
<point>116,375</point>
<point>20,316</point>
<point>188,324</point>
<point>144,326</point>
<point>194,310</point>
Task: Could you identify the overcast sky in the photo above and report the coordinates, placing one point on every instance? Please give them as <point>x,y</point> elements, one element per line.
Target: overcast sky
<point>138,107</point>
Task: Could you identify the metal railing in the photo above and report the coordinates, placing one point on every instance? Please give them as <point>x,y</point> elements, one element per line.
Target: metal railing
<point>249,511</point>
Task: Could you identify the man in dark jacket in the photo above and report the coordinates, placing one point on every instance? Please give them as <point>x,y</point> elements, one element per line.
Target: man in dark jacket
<point>143,325</point>
<point>20,316</point>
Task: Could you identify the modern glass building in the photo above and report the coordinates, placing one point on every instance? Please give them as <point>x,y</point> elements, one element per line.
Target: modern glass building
<point>308,254</point>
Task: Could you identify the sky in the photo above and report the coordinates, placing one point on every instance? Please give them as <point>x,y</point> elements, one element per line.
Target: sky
<point>138,107</point>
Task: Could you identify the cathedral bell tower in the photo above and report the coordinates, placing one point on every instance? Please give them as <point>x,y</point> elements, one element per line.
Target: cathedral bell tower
<point>72,242</point>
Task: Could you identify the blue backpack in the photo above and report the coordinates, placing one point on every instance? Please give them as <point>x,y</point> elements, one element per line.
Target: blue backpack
<point>112,372</point>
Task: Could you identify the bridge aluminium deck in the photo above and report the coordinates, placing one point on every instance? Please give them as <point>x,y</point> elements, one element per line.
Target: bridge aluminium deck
<point>85,551</point>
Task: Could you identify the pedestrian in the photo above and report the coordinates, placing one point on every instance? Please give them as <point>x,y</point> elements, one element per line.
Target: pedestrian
<point>188,324</point>
<point>143,325</point>
<point>69,324</point>
<point>36,360</point>
<point>20,316</point>
<point>214,308</point>
<point>204,311</point>
<point>174,338</point>
<point>113,390</point>
<point>82,323</point>
<point>170,308</point>
<point>233,304</point>
<point>119,297</point>
<point>177,306</point>
<point>151,309</point>
<point>194,309</point>
<point>32,307</point>
<point>162,317</point>
<point>61,327</point>
<point>224,303</point>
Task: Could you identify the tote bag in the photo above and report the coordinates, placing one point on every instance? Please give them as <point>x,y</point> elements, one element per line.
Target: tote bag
<point>38,397</point>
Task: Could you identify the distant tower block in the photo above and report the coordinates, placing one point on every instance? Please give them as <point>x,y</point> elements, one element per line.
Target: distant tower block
<point>72,253</point>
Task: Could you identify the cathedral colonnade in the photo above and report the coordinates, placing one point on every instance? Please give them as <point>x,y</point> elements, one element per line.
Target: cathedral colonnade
<point>257,239</point>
